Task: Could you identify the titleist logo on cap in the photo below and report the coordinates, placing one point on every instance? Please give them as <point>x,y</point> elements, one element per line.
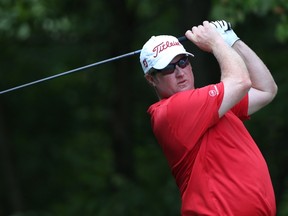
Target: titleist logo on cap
<point>163,46</point>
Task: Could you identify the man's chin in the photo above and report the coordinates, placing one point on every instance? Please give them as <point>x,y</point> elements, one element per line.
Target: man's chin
<point>185,87</point>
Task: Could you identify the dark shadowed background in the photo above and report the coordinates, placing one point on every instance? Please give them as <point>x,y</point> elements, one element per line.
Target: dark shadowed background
<point>82,144</point>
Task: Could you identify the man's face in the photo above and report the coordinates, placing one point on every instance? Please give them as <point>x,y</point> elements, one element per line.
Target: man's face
<point>167,84</point>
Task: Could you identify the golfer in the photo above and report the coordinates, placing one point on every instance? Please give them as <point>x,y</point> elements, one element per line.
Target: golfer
<point>216,164</point>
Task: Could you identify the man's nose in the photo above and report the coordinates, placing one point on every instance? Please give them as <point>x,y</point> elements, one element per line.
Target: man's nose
<point>179,71</point>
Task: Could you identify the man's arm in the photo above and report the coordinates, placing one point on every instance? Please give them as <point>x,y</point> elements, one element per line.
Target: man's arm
<point>234,73</point>
<point>264,88</point>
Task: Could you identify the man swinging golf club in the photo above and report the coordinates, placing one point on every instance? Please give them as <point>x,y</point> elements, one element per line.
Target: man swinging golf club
<point>216,164</point>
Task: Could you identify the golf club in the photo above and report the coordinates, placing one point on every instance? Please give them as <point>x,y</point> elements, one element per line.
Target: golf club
<point>181,39</point>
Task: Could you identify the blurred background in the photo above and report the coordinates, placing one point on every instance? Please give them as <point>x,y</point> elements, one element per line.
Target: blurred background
<point>82,144</point>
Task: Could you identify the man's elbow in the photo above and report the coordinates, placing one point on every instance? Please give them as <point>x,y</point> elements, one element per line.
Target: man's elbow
<point>273,91</point>
<point>270,94</point>
<point>246,84</point>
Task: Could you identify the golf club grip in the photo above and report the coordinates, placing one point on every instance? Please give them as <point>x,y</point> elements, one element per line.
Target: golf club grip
<point>182,39</point>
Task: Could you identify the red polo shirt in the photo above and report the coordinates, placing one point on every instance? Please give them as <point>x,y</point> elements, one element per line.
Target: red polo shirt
<point>216,164</point>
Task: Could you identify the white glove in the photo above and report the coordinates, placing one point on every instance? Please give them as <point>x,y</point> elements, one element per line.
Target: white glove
<point>226,31</point>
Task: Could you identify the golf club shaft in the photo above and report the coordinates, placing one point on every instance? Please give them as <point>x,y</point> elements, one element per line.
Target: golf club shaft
<point>181,39</point>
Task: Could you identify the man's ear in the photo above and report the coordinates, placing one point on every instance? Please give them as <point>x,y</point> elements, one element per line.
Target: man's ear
<point>151,79</point>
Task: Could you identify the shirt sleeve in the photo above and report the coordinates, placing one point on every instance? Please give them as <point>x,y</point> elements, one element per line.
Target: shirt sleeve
<point>241,109</point>
<point>193,112</point>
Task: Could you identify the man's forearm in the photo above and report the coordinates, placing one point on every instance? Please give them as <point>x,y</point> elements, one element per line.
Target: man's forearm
<point>260,75</point>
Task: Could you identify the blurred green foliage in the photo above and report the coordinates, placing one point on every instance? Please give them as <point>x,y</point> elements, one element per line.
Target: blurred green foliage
<point>82,144</point>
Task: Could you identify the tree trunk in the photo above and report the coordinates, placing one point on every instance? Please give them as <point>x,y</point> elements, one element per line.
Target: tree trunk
<point>9,183</point>
<point>122,103</point>
<point>204,65</point>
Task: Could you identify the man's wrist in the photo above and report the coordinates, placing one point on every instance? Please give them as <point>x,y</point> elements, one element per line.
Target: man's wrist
<point>226,31</point>
<point>236,42</point>
<point>231,37</point>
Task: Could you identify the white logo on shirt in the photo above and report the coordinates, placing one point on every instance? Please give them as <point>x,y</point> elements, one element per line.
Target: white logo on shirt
<point>214,92</point>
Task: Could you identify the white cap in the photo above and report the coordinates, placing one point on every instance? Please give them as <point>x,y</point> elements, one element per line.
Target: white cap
<point>159,51</point>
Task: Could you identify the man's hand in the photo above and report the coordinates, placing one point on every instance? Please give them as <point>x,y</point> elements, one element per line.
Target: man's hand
<point>205,36</point>
<point>226,31</point>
